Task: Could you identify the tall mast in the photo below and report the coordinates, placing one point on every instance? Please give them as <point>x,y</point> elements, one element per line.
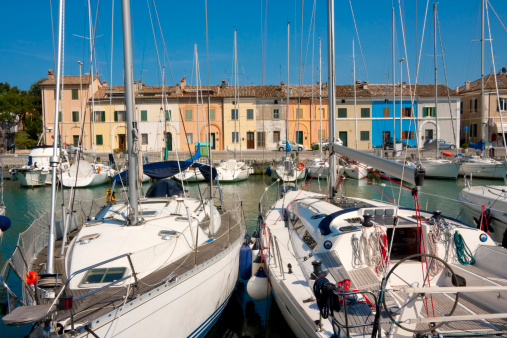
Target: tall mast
<point>394,90</point>
<point>355,97</point>
<point>288,91</point>
<point>435,63</point>
<point>92,46</point>
<point>197,95</point>
<point>55,159</point>
<point>332,94</point>
<point>482,69</point>
<point>236,113</point>
<point>320,96</point>
<point>166,152</point>
<point>129,105</point>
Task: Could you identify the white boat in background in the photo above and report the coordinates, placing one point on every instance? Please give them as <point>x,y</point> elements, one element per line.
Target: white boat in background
<point>233,171</point>
<point>482,167</point>
<point>356,171</point>
<point>82,174</point>
<point>37,172</point>
<point>440,168</point>
<point>288,171</point>
<point>190,175</point>
<point>488,202</point>
<point>318,168</point>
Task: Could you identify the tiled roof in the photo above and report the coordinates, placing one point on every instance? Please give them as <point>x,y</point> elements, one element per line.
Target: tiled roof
<point>489,83</point>
<point>70,80</point>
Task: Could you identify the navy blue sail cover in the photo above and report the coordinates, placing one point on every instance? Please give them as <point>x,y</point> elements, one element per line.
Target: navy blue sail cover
<point>165,188</point>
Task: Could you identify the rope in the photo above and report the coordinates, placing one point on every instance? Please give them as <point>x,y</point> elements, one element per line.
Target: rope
<point>434,238</point>
<point>324,294</point>
<point>463,253</point>
<point>356,252</point>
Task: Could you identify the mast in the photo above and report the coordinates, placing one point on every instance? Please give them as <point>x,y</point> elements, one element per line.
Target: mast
<point>288,92</point>
<point>212,227</point>
<point>482,69</point>
<point>401,99</point>
<point>394,91</point>
<point>435,63</point>
<point>236,113</point>
<point>355,97</point>
<point>320,96</point>
<point>55,159</point>
<point>129,105</point>
<point>92,46</point>
<point>332,94</point>
<point>166,152</point>
<point>197,95</point>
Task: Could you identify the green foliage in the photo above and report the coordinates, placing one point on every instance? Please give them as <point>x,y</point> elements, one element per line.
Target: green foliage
<point>23,141</point>
<point>464,146</point>
<point>315,147</point>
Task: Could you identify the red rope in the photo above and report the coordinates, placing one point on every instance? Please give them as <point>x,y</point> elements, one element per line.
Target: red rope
<point>484,222</point>
<point>390,179</point>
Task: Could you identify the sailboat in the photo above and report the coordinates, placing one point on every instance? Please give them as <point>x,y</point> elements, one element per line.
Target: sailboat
<point>37,171</point>
<point>358,267</point>
<point>161,265</point>
<point>438,167</point>
<point>287,170</point>
<point>233,170</point>
<point>82,174</point>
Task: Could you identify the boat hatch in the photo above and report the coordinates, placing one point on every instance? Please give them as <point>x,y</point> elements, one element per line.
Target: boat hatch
<point>404,243</point>
<point>304,234</point>
<point>318,216</point>
<point>182,218</point>
<point>378,212</point>
<point>103,275</point>
<point>148,213</point>
<point>309,207</point>
<point>167,234</point>
<point>86,239</point>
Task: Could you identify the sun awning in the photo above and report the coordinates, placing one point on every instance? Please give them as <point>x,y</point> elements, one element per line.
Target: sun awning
<point>498,128</point>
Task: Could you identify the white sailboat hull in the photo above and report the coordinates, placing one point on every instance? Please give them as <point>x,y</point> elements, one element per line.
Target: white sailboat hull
<point>234,176</point>
<point>291,175</point>
<point>357,174</point>
<point>90,181</point>
<point>190,176</point>
<point>485,169</point>
<point>33,178</point>
<point>440,169</point>
<point>474,198</point>
<point>170,310</point>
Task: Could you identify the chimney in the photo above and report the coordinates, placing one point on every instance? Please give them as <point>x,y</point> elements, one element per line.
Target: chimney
<point>358,82</point>
<point>467,85</point>
<point>365,85</point>
<point>104,83</point>
<point>224,84</point>
<point>218,89</point>
<point>51,75</point>
<point>183,83</point>
<point>457,89</point>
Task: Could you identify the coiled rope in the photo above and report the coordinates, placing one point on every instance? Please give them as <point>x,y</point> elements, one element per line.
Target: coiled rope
<point>327,301</point>
<point>356,251</point>
<point>463,253</point>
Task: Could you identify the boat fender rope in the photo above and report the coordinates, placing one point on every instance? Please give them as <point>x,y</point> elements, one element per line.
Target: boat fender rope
<point>327,300</point>
<point>463,253</point>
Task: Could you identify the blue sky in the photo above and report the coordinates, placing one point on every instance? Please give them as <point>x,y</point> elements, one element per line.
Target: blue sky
<point>26,45</point>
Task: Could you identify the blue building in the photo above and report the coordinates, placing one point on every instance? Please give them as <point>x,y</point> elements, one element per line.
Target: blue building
<point>382,121</point>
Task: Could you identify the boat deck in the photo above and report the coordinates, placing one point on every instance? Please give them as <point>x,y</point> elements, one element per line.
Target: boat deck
<point>104,301</point>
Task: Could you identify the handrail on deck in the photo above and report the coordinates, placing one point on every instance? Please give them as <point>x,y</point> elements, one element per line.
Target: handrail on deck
<point>344,296</point>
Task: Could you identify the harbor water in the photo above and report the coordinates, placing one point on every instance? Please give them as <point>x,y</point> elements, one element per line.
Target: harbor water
<point>242,316</point>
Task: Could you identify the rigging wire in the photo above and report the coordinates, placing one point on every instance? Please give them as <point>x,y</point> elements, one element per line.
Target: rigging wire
<point>358,40</point>
<point>163,42</point>
<point>154,40</point>
<point>490,5</point>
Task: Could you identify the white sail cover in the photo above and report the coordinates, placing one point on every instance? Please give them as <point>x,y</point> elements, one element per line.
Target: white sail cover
<point>85,169</point>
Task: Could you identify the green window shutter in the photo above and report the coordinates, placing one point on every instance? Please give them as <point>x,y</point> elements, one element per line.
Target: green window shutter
<point>144,115</point>
<point>115,116</point>
<point>103,116</point>
<point>168,115</point>
<point>75,116</point>
<point>365,112</point>
<point>75,95</point>
<point>249,114</point>
<point>425,112</point>
<point>188,115</point>
<point>59,116</point>
<point>212,114</point>
<point>434,112</point>
<point>98,139</point>
<point>342,112</point>
<point>365,135</point>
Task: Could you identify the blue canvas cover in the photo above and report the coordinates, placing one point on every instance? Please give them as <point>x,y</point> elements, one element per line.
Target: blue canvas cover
<point>165,188</point>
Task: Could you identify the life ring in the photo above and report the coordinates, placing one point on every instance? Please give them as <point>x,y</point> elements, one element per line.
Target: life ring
<point>301,166</point>
<point>31,277</point>
<point>447,153</point>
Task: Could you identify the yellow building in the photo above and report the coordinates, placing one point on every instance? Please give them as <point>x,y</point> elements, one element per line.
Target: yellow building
<point>239,126</point>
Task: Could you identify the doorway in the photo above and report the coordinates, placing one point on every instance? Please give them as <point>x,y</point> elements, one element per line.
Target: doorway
<point>169,141</point>
<point>428,134</point>
<point>121,142</point>
<point>343,136</point>
<point>250,140</point>
<point>212,140</point>
<point>299,137</point>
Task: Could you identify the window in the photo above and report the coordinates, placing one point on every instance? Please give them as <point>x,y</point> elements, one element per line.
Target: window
<point>276,114</point>
<point>99,116</point>
<point>59,116</point>
<point>212,114</point>
<point>387,112</point>
<point>168,114</point>
<point>322,134</point>
<point>235,137</point>
<point>75,94</point>
<point>103,275</point>
<point>473,130</point>
<point>365,135</point>
<point>503,104</point>
<point>407,135</point>
<point>473,105</point>
<point>144,115</point>
<point>429,111</point>
<point>322,112</point>
<point>75,140</point>
<point>119,116</point>
<point>261,139</point>
<point>249,114</point>
<point>99,140</point>
<point>406,112</point>
<point>428,134</point>
<point>299,113</point>
<point>342,112</point>
<point>461,107</point>
<point>234,114</point>
<point>190,138</point>
<point>75,116</point>
<point>365,112</point>
<point>144,138</point>
<point>188,115</point>
<point>276,136</point>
